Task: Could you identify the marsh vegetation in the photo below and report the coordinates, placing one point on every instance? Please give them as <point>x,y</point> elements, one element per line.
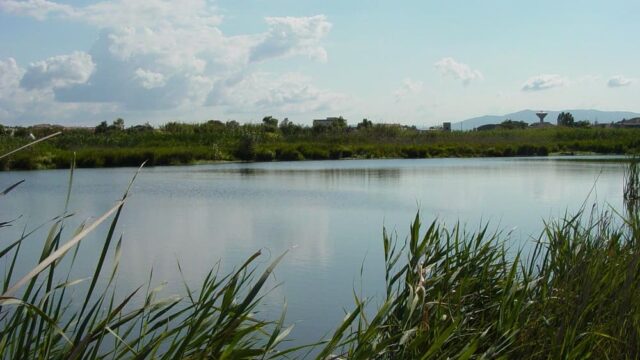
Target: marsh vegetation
<point>449,293</point>
<point>178,143</point>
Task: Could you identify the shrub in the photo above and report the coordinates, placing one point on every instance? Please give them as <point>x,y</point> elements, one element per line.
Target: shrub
<point>289,155</point>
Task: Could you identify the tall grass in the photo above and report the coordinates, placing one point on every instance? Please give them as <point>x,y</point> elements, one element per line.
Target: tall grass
<point>632,186</point>
<point>40,319</point>
<point>449,293</point>
<point>452,294</point>
<point>189,143</point>
<point>458,295</point>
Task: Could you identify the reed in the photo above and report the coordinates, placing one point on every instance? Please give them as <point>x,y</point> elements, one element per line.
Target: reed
<point>39,319</point>
<point>458,295</point>
<point>632,186</point>
<point>450,293</point>
<point>188,143</point>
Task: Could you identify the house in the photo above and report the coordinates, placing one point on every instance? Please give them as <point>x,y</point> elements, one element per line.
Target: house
<point>631,123</point>
<point>329,122</point>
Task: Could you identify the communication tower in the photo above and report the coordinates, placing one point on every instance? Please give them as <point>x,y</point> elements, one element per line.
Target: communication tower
<point>541,114</point>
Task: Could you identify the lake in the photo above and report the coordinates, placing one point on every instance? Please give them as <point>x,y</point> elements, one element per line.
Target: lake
<point>328,214</point>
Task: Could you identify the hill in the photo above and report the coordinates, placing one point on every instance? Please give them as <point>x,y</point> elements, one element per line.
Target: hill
<point>529,116</point>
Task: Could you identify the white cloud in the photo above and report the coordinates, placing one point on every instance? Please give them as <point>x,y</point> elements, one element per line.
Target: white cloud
<point>149,13</point>
<point>149,79</point>
<point>288,93</point>
<point>293,36</point>
<point>408,87</point>
<point>38,9</point>
<point>158,55</point>
<point>59,71</point>
<point>619,81</point>
<point>450,67</point>
<point>544,82</point>
<point>22,105</point>
<point>10,75</point>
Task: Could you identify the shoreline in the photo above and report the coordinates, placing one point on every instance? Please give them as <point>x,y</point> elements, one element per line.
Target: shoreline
<point>578,157</point>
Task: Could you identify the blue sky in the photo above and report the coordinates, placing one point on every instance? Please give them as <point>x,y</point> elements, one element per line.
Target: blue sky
<point>414,62</point>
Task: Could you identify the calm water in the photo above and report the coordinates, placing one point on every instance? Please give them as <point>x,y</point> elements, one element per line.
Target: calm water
<point>329,215</point>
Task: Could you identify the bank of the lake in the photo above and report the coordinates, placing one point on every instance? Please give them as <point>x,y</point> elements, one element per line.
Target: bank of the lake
<point>176,144</point>
<point>328,215</point>
<point>447,291</point>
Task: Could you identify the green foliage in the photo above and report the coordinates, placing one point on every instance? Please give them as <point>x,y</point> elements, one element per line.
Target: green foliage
<point>181,143</point>
<point>246,149</point>
<point>270,124</point>
<point>452,294</point>
<point>364,124</point>
<point>631,188</point>
<point>40,317</point>
<point>565,119</point>
<point>449,294</point>
<point>513,124</point>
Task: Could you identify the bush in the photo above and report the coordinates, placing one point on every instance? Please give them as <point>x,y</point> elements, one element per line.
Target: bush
<point>313,153</point>
<point>289,155</point>
<point>265,155</point>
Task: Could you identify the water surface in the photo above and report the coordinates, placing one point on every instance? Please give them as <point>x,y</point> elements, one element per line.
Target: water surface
<point>328,214</point>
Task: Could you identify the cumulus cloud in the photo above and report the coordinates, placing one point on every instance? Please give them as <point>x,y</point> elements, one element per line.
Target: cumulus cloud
<point>149,79</point>
<point>619,81</point>
<point>450,67</point>
<point>10,75</point>
<point>19,104</point>
<point>288,93</point>
<point>293,36</point>
<point>544,82</point>
<point>39,9</point>
<point>159,54</point>
<point>407,88</point>
<point>59,71</point>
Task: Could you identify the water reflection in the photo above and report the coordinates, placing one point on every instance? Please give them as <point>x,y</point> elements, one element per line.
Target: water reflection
<point>365,175</point>
<point>329,215</point>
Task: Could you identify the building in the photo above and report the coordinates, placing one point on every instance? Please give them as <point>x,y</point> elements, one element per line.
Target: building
<point>446,126</point>
<point>329,122</point>
<point>631,123</point>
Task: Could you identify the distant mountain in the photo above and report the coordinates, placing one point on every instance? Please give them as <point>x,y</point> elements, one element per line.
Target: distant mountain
<point>529,116</point>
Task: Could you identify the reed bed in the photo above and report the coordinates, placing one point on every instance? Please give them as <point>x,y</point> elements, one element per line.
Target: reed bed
<point>458,295</point>
<point>450,294</point>
<point>174,144</point>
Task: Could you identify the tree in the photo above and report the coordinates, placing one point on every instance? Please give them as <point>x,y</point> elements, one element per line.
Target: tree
<point>246,149</point>
<point>511,124</point>
<point>364,124</point>
<point>582,124</point>
<point>340,123</point>
<point>118,124</point>
<point>102,128</point>
<point>565,119</point>
<point>270,123</point>
<point>232,124</point>
<point>289,128</point>
<point>21,132</point>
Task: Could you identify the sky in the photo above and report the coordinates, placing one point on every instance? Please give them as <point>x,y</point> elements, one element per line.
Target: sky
<point>412,62</point>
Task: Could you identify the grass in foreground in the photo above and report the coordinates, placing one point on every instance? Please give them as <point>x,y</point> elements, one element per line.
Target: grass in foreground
<point>449,294</point>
